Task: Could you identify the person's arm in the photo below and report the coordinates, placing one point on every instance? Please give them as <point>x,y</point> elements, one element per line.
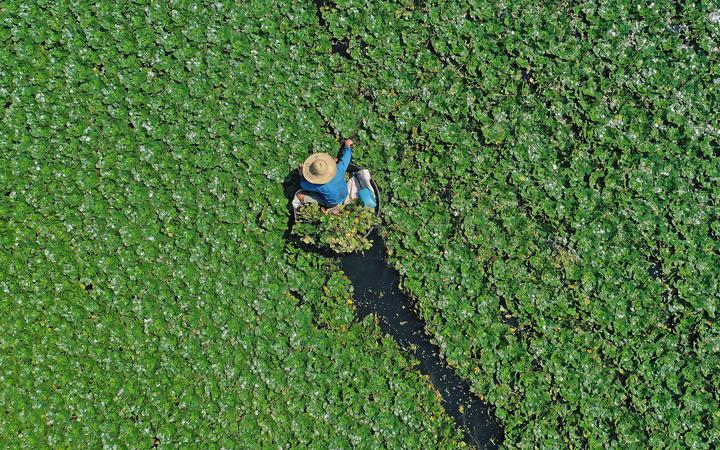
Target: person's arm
<point>346,157</point>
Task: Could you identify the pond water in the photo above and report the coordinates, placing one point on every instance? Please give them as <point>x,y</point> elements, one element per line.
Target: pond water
<point>377,292</point>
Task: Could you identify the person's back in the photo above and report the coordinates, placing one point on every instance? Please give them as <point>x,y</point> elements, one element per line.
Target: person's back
<point>319,169</point>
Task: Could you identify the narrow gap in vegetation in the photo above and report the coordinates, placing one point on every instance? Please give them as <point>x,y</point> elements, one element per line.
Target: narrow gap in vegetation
<point>341,48</point>
<point>376,291</point>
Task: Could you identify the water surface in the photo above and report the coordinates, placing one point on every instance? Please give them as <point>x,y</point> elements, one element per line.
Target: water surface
<point>376,291</point>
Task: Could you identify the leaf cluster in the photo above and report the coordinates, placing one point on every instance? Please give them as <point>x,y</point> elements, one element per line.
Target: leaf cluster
<point>344,232</point>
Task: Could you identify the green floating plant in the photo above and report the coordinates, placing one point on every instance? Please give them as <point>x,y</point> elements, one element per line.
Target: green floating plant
<point>344,232</point>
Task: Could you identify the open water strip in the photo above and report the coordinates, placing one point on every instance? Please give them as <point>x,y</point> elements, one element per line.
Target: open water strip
<point>376,287</point>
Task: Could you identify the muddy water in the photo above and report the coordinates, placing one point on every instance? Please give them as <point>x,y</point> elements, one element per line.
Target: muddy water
<point>376,291</point>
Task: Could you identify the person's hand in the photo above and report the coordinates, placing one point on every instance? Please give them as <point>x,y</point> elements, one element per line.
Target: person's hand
<point>348,142</point>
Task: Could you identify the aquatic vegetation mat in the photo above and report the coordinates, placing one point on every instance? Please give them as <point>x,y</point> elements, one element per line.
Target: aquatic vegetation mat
<point>550,199</point>
<point>148,297</point>
<point>554,207</point>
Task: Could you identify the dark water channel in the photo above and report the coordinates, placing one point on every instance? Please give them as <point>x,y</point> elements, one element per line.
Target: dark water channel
<point>377,291</point>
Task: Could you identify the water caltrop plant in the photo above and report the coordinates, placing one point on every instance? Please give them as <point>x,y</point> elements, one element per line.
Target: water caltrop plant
<point>342,232</point>
<point>148,296</point>
<point>550,176</point>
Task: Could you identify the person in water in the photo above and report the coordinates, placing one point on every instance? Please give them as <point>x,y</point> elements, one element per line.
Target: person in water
<point>324,175</point>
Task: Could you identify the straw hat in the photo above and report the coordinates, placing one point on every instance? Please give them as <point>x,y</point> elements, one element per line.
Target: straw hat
<point>319,168</point>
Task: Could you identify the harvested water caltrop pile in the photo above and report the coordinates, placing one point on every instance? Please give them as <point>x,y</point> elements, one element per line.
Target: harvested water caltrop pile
<point>551,199</point>
<point>343,232</point>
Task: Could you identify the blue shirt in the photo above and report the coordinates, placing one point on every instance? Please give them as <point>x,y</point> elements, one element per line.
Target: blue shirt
<point>334,191</point>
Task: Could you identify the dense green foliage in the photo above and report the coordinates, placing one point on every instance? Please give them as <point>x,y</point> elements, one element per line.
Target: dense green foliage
<point>146,292</point>
<point>555,205</point>
<point>553,186</point>
<point>341,232</point>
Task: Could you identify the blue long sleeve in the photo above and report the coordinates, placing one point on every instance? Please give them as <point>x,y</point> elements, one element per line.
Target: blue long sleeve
<point>345,160</point>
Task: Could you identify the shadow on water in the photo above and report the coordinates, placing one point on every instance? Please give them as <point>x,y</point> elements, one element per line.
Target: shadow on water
<point>376,291</point>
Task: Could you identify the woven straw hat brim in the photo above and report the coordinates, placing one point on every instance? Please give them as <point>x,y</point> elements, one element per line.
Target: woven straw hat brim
<point>320,178</point>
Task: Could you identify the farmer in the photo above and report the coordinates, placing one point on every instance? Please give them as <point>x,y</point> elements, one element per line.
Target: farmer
<point>324,175</point>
